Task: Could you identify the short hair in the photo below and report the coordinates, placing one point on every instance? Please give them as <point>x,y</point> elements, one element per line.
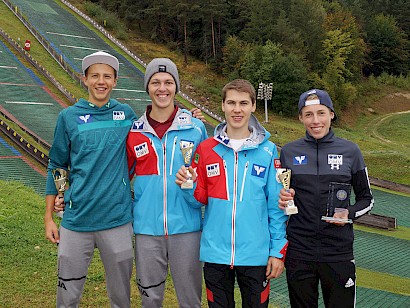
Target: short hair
<point>240,85</point>
<point>86,73</point>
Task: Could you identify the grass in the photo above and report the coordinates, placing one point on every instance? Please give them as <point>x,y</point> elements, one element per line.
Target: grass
<point>28,261</point>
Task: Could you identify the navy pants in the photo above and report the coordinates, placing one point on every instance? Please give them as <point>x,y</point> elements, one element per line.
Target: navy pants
<point>337,279</point>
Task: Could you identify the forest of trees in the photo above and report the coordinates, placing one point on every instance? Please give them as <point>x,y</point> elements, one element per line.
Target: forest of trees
<point>292,43</point>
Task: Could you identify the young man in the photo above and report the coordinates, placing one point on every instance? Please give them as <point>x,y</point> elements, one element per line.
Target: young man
<point>167,230</point>
<point>244,230</point>
<point>323,168</point>
<point>90,142</point>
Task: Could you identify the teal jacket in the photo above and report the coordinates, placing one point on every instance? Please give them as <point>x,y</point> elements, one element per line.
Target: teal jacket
<point>90,143</point>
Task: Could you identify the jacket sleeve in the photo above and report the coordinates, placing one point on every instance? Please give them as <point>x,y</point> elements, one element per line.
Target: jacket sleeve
<point>130,156</point>
<point>277,217</point>
<point>361,186</point>
<point>59,156</point>
<point>363,195</point>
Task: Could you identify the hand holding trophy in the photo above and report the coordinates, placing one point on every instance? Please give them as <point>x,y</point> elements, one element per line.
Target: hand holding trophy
<point>338,203</point>
<point>187,148</point>
<point>60,180</point>
<point>284,178</point>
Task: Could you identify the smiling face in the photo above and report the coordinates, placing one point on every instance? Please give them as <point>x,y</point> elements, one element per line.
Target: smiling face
<point>162,89</point>
<point>238,107</point>
<point>100,80</point>
<point>317,120</point>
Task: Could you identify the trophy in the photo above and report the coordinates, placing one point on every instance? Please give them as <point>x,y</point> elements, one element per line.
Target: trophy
<point>284,178</point>
<point>186,148</point>
<point>60,180</point>
<point>338,203</point>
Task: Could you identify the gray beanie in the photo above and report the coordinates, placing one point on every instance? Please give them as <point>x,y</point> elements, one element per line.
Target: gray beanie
<point>161,65</point>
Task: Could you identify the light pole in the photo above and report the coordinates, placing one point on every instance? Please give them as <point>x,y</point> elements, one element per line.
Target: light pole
<point>265,92</point>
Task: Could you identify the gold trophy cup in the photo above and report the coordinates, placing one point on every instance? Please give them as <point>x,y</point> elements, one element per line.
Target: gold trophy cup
<point>284,178</point>
<point>187,148</point>
<point>60,180</point>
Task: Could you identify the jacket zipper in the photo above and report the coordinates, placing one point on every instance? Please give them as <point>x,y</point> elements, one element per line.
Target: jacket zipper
<point>243,181</point>
<point>164,176</point>
<point>235,176</point>
<point>226,181</point>
<point>172,156</point>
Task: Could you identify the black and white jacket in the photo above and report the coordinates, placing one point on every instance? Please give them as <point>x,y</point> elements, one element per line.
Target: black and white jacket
<point>315,164</point>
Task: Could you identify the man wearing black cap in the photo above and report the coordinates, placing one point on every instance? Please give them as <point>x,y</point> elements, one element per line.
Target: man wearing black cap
<point>167,231</point>
<point>89,141</point>
<point>323,169</point>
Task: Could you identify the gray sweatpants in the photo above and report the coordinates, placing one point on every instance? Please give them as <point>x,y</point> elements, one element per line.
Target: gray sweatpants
<point>181,252</point>
<point>75,253</point>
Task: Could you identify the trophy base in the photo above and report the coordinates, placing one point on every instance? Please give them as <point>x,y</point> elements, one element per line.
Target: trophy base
<point>60,214</point>
<point>290,210</point>
<point>345,220</point>
<point>189,184</point>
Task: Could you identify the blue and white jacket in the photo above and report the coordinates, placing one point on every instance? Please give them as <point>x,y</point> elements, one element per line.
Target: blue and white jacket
<point>243,224</point>
<point>159,206</point>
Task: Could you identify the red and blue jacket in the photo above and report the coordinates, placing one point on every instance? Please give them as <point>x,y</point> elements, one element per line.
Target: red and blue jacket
<point>243,224</point>
<point>159,207</point>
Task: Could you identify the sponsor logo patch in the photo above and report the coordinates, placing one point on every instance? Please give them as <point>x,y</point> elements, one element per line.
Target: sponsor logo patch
<point>300,160</point>
<point>141,149</point>
<point>212,170</point>
<point>335,161</point>
<point>276,163</point>
<point>349,283</point>
<point>85,118</point>
<point>196,158</point>
<point>183,119</point>
<point>258,171</point>
<point>137,125</point>
<point>224,139</point>
<point>118,115</point>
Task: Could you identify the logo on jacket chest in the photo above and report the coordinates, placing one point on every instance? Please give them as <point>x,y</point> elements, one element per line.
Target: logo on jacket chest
<point>213,170</point>
<point>335,161</point>
<point>137,125</point>
<point>300,160</point>
<point>141,149</point>
<point>85,118</point>
<point>258,171</point>
<point>118,115</point>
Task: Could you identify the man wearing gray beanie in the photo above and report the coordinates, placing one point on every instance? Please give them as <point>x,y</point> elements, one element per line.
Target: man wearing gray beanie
<point>167,231</point>
<point>164,65</point>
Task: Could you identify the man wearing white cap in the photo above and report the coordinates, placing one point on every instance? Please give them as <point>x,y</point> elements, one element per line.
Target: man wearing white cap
<point>323,170</point>
<point>89,141</point>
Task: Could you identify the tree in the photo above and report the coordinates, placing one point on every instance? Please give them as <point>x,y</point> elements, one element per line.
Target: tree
<point>308,17</point>
<point>262,16</point>
<point>267,63</point>
<point>337,48</point>
<point>233,56</point>
<point>389,47</point>
<point>344,23</point>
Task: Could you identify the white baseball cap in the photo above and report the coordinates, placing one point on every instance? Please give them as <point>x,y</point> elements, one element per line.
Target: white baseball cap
<point>102,58</point>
